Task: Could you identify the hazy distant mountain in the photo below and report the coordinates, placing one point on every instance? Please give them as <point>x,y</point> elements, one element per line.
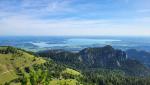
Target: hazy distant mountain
<point>142,56</point>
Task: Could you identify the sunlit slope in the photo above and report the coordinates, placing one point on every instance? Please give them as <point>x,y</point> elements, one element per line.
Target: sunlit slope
<point>69,77</point>
<point>12,59</point>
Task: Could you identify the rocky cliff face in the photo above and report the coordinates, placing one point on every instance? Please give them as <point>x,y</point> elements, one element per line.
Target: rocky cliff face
<point>106,57</point>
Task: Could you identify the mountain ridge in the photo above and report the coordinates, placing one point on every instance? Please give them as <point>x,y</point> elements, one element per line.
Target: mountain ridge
<point>99,57</point>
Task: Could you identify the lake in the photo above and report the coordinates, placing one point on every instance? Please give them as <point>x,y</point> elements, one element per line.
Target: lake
<point>73,43</point>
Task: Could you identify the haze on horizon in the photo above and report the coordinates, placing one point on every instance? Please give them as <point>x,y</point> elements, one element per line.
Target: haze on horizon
<point>75,17</point>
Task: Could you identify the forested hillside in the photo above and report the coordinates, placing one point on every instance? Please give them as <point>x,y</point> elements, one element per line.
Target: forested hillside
<point>20,67</point>
<point>100,57</point>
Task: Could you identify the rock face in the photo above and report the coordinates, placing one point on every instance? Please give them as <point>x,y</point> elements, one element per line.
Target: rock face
<point>106,57</point>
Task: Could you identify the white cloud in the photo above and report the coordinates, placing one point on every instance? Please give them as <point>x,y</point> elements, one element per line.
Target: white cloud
<point>25,25</point>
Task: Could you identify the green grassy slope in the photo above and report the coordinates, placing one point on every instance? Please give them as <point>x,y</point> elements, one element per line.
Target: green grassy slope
<point>64,82</point>
<point>11,61</point>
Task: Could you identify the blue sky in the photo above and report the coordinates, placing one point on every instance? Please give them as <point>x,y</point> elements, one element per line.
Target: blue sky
<point>75,17</point>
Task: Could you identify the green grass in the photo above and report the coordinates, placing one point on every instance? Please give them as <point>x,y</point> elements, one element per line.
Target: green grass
<point>15,84</point>
<point>71,71</point>
<point>5,77</point>
<point>64,82</point>
<point>9,62</point>
<point>7,71</point>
